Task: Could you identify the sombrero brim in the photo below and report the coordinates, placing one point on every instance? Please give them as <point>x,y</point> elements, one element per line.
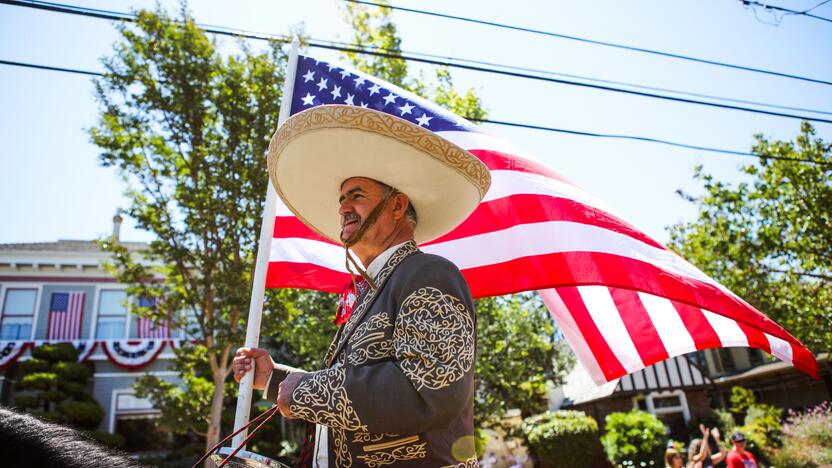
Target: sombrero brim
<point>315,151</point>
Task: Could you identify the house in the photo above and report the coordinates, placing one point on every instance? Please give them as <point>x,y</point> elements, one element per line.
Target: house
<point>59,291</point>
<point>684,389</point>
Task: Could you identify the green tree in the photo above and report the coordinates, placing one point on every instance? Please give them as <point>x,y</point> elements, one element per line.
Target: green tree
<point>516,346</point>
<point>635,438</point>
<point>769,239</point>
<point>518,357</point>
<point>186,127</point>
<point>55,386</point>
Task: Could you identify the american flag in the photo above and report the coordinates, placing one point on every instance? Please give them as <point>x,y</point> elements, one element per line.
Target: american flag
<point>623,300</point>
<point>146,327</point>
<point>66,315</point>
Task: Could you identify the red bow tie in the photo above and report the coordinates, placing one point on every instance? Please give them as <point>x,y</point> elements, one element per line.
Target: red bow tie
<point>349,297</point>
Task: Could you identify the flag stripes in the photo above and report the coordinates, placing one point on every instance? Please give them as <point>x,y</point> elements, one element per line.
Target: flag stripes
<point>619,328</point>
<point>147,329</point>
<point>623,300</point>
<point>66,316</point>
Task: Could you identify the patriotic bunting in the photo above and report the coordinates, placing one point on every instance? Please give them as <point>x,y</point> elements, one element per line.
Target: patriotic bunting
<point>623,300</point>
<point>10,351</point>
<point>131,354</point>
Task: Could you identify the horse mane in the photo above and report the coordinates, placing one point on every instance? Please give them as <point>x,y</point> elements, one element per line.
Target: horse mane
<point>28,441</point>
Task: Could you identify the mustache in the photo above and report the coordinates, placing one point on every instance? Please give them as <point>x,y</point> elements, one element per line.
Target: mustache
<point>349,217</point>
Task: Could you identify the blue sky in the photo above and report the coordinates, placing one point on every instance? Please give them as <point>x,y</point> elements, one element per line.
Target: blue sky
<point>52,187</point>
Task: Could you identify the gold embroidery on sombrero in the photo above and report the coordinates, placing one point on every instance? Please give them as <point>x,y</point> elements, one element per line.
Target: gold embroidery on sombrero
<point>434,339</point>
<point>437,147</point>
<point>469,463</point>
<point>406,250</point>
<point>407,452</point>
<point>322,399</point>
<point>368,341</point>
<point>364,437</point>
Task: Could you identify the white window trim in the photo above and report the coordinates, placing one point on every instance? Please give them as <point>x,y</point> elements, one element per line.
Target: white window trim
<point>111,423</point>
<point>97,299</point>
<point>648,398</point>
<point>38,287</point>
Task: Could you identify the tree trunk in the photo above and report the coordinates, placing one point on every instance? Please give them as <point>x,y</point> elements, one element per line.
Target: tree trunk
<point>213,435</point>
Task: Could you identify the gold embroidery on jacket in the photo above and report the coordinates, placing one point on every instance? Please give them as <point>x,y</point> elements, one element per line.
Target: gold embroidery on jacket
<point>469,463</point>
<point>406,250</point>
<point>322,399</point>
<point>343,457</point>
<point>364,437</point>
<point>434,339</point>
<point>368,342</point>
<point>380,457</point>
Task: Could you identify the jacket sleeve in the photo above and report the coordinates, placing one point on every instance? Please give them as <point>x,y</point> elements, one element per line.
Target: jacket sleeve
<point>429,380</point>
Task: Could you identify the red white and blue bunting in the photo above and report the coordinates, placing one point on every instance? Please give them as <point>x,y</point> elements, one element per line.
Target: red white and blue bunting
<point>10,351</point>
<point>132,354</point>
<point>127,354</point>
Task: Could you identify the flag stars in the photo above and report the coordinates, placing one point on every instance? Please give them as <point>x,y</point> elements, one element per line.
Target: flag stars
<point>349,99</point>
<point>363,104</point>
<point>359,81</point>
<point>375,89</point>
<point>336,92</point>
<point>389,99</point>
<point>309,76</point>
<point>322,84</point>
<point>424,120</point>
<point>331,66</point>
<point>308,100</point>
<point>406,109</point>
<point>344,74</point>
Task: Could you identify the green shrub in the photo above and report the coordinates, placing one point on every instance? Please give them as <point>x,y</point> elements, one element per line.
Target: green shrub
<point>72,371</point>
<point>557,436</point>
<point>37,381</point>
<point>56,352</point>
<point>27,401</point>
<point>634,439</point>
<point>33,365</point>
<point>107,438</point>
<point>807,439</point>
<point>81,414</point>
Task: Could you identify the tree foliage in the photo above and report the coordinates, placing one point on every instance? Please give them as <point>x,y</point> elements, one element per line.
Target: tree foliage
<point>769,239</point>
<point>635,438</point>
<point>186,127</point>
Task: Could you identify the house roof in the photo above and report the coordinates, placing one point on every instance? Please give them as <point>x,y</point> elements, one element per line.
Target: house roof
<point>66,245</point>
<point>766,369</point>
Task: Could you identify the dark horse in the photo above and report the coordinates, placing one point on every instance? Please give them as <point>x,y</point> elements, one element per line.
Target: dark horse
<point>26,441</point>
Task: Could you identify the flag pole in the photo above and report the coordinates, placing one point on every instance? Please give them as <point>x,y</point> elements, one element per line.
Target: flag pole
<point>258,287</point>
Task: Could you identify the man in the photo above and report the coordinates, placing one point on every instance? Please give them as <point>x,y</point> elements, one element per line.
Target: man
<point>397,382</point>
<point>739,457</point>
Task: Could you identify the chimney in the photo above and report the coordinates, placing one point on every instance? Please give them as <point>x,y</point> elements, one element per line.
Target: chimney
<point>117,219</point>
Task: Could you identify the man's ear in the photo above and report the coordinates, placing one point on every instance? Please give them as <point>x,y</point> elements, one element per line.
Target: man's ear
<point>400,202</point>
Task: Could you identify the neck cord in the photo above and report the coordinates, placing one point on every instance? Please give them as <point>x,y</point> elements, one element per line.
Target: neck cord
<point>356,236</point>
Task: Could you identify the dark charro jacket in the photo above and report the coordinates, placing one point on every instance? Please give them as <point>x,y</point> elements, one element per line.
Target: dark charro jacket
<point>398,381</point>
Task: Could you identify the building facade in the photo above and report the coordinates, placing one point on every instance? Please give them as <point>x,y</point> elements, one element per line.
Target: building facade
<point>60,292</point>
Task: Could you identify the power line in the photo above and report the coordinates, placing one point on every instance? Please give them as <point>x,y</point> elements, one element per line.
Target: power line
<point>786,11</point>
<point>398,55</point>
<point>504,123</point>
<point>593,41</point>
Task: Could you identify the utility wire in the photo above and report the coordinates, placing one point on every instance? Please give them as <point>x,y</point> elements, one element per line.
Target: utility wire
<point>786,11</point>
<point>398,55</point>
<point>505,123</point>
<point>593,41</point>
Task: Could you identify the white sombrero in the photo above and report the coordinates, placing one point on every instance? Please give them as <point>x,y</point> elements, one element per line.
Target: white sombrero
<point>315,151</point>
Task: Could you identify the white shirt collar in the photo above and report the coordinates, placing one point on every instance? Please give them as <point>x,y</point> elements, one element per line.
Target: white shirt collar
<point>374,266</point>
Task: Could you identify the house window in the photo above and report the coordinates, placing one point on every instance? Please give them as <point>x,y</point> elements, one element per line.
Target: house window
<point>112,315</point>
<point>726,360</point>
<point>670,407</point>
<point>18,311</point>
<point>755,356</point>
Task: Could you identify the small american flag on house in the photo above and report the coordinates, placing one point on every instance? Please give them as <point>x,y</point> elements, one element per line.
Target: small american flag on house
<point>66,315</point>
<point>146,327</point>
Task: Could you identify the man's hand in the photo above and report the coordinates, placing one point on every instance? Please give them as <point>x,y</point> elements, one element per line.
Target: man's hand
<point>263,365</point>
<point>284,393</point>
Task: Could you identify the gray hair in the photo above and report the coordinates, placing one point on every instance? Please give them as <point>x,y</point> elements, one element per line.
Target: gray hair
<point>410,213</point>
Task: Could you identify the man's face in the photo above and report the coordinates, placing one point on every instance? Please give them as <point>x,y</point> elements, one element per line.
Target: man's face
<point>359,196</point>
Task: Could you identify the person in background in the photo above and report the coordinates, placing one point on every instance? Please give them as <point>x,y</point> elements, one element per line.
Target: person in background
<point>699,452</point>
<point>739,457</point>
<point>672,458</point>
